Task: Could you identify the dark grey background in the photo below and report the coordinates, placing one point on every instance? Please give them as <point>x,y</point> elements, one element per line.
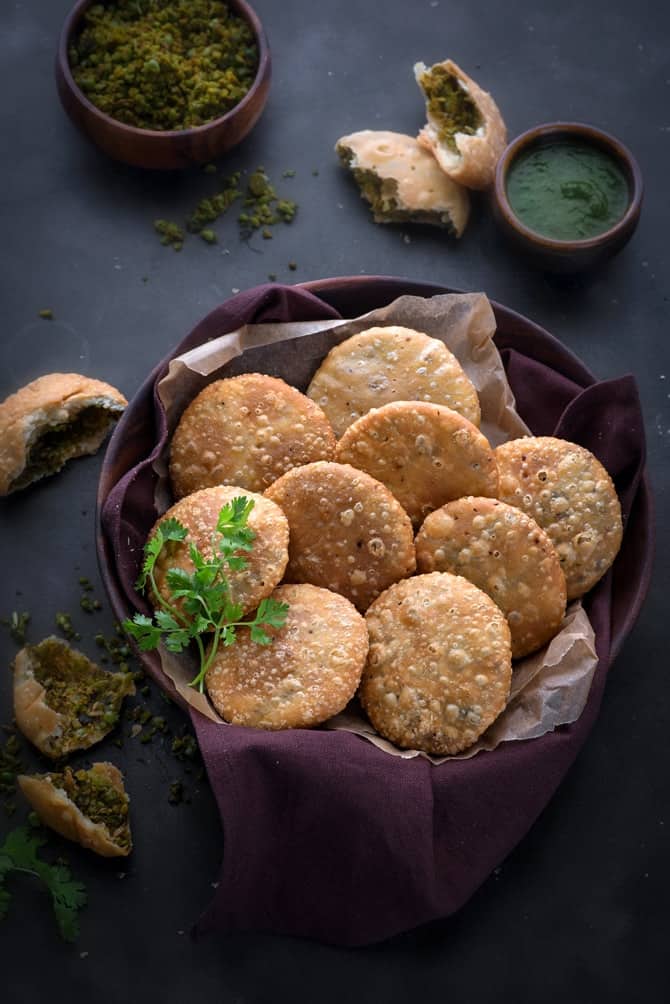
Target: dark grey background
<point>578,912</point>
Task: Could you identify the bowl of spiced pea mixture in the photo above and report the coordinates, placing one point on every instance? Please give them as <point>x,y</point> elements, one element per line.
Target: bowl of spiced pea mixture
<point>163,83</point>
<point>567,194</point>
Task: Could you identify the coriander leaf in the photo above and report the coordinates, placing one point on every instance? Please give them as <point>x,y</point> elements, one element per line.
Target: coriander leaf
<point>166,621</point>
<point>228,635</point>
<point>142,629</point>
<point>272,613</point>
<point>232,612</point>
<point>237,563</point>
<point>206,602</point>
<point>177,641</point>
<point>259,636</point>
<point>178,579</point>
<point>20,853</point>
<point>67,896</point>
<point>169,529</point>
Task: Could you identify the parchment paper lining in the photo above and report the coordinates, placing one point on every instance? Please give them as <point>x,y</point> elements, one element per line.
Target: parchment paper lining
<point>549,688</point>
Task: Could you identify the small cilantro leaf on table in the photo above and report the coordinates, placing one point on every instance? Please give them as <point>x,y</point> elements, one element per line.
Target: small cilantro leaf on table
<point>20,853</point>
<point>201,605</point>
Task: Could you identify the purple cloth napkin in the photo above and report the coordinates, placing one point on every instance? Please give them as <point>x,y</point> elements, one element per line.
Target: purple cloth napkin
<point>325,836</point>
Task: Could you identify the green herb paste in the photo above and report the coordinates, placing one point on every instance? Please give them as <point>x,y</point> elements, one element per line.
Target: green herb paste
<point>567,190</point>
<point>164,64</point>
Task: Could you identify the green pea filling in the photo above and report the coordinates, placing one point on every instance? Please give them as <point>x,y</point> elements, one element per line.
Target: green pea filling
<point>450,108</point>
<point>159,65</point>
<point>97,798</point>
<point>381,193</point>
<point>62,441</point>
<point>89,698</point>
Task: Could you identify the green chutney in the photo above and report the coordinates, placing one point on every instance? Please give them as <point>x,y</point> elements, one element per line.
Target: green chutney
<point>567,190</point>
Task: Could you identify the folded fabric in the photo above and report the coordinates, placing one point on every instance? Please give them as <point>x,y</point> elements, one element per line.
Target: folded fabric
<point>324,835</point>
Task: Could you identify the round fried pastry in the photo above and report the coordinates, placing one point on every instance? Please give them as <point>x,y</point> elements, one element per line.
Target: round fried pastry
<point>306,675</point>
<point>504,552</point>
<point>347,531</point>
<point>199,513</point>
<point>424,453</point>
<point>246,431</point>
<point>439,667</point>
<point>571,496</point>
<point>381,365</point>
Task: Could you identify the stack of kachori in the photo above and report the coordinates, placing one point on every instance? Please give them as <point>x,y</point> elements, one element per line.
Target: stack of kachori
<point>417,561</point>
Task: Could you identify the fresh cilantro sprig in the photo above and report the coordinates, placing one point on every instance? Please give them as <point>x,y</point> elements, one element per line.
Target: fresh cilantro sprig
<point>19,853</point>
<point>202,608</point>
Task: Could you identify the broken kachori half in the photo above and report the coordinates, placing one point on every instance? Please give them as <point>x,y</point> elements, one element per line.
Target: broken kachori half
<point>465,131</point>
<point>568,492</point>
<point>50,421</point>
<point>347,531</point>
<point>309,673</point>
<point>62,701</point>
<point>385,364</point>
<point>440,665</point>
<point>402,182</point>
<point>199,514</point>
<point>90,807</point>
<point>504,552</point>
<point>246,431</point>
<point>424,453</point>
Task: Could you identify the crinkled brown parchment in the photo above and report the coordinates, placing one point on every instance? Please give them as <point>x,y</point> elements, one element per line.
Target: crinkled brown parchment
<point>549,688</point>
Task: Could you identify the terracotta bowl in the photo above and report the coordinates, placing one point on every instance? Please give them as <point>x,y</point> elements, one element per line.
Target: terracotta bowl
<point>574,255</point>
<point>163,149</point>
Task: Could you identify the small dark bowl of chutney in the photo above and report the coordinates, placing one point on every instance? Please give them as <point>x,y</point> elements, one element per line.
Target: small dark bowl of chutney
<point>567,195</point>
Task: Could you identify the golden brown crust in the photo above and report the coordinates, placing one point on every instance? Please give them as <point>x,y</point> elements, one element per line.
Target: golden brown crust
<point>568,492</point>
<point>439,667</point>
<point>45,727</point>
<point>36,720</point>
<point>474,163</point>
<point>58,811</point>
<point>348,532</point>
<point>424,453</point>
<point>50,400</point>
<point>247,431</point>
<point>309,673</point>
<point>387,364</point>
<point>414,186</point>
<point>199,513</point>
<point>504,552</point>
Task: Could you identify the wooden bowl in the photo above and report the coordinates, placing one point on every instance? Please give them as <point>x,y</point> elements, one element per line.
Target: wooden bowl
<point>566,256</point>
<point>163,149</point>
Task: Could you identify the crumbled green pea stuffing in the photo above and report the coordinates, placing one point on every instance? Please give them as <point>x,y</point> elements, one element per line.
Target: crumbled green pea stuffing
<point>292,265</point>
<point>164,65</point>
<point>208,236</point>
<point>17,624</point>
<point>213,206</point>
<point>47,314</point>
<point>64,624</point>
<point>98,800</point>
<point>89,604</point>
<point>88,698</point>
<point>176,795</point>
<point>449,105</point>
<point>262,206</point>
<point>171,234</point>
<point>10,766</point>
